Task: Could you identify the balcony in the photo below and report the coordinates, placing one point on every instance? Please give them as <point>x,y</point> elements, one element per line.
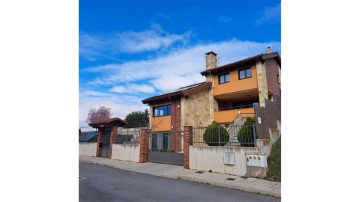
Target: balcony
<point>228,115</point>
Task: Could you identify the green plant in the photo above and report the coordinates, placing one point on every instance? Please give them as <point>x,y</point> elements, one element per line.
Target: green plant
<point>216,135</point>
<point>246,133</point>
<point>274,162</point>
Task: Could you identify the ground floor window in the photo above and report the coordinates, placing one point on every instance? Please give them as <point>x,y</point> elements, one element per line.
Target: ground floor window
<point>160,141</point>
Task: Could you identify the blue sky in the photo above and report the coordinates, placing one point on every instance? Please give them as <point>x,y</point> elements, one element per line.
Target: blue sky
<point>131,50</point>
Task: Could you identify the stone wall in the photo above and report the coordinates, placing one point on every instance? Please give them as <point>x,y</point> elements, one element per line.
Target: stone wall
<point>195,109</point>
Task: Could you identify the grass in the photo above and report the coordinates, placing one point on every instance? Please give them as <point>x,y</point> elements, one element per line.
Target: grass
<point>274,162</point>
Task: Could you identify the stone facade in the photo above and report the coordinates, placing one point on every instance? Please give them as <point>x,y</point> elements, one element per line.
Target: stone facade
<point>262,83</point>
<point>195,109</point>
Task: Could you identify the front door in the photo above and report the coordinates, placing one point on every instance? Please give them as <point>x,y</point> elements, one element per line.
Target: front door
<point>106,144</point>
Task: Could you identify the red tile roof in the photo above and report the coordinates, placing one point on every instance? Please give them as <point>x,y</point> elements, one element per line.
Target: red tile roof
<point>246,61</point>
<point>186,90</point>
<point>110,121</point>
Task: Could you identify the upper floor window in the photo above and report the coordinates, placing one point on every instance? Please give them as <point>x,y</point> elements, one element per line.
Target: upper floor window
<point>245,73</point>
<point>224,78</point>
<point>162,110</point>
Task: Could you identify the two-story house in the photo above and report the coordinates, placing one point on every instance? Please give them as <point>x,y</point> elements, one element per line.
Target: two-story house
<point>230,92</point>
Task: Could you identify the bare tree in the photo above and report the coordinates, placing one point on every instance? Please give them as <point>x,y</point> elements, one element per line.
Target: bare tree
<point>99,114</point>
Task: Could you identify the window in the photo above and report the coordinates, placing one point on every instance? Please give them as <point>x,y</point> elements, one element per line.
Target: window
<point>162,110</point>
<point>224,78</point>
<point>160,141</point>
<point>245,73</point>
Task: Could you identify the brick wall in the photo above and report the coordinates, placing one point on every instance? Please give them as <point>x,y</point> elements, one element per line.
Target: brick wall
<point>269,115</point>
<point>113,135</point>
<point>176,124</point>
<point>188,131</point>
<point>99,141</point>
<point>176,115</point>
<point>272,73</point>
<point>144,145</point>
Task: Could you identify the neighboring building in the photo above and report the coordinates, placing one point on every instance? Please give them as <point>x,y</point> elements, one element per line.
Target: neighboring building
<point>230,92</point>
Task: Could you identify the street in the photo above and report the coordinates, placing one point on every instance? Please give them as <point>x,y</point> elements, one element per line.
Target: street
<point>101,183</point>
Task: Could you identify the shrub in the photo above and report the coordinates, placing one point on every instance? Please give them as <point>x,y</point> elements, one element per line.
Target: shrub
<point>274,162</point>
<point>212,133</point>
<point>246,133</point>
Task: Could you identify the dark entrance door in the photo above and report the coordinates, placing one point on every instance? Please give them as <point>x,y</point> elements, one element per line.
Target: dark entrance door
<point>106,143</point>
<point>166,148</point>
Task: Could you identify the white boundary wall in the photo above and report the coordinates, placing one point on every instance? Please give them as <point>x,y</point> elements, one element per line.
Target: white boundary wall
<point>126,152</point>
<point>212,158</point>
<point>87,148</point>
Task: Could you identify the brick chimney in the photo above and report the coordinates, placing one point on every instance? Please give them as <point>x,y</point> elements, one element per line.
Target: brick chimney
<point>268,50</point>
<point>211,60</point>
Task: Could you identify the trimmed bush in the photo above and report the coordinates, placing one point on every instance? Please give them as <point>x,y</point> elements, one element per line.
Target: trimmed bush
<point>212,133</point>
<point>246,133</point>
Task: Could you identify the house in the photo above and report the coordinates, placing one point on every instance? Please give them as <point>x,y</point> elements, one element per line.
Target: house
<point>229,94</point>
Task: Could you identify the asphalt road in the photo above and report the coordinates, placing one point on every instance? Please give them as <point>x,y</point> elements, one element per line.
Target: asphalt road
<point>101,183</point>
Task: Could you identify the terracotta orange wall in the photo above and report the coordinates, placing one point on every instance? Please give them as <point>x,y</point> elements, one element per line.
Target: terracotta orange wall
<point>235,84</point>
<point>160,123</point>
<point>228,116</point>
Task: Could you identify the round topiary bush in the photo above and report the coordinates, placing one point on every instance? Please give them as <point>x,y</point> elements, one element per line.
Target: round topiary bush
<point>246,133</point>
<point>212,134</point>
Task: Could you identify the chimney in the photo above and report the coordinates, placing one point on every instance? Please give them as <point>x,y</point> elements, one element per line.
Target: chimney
<point>268,50</point>
<point>211,60</point>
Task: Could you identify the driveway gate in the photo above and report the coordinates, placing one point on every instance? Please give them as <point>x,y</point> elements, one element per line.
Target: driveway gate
<point>166,147</point>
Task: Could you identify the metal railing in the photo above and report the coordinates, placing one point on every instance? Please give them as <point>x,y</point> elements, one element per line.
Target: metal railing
<point>128,136</point>
<point>232,135</point>
<point>166,141</point>
<point>237,107</point>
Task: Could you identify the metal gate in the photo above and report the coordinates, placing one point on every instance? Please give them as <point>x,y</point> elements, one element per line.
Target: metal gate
<point>105,145</point>
<point>166,147</point>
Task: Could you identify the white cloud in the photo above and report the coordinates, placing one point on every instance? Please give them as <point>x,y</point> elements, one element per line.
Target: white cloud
<point>224,19</point>
<point>270,14</point>
<point>133,88</point>
<point>133,42</point>
<point>118,89</point>
<point>109,45</point>
<point>178,68</point>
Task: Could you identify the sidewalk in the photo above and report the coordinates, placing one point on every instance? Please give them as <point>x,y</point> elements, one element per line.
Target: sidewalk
<point>178,172</point>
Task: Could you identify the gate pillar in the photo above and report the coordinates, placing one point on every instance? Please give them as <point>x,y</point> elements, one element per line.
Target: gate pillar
<point>144,145</point>
<point>187,141</point>
<point>113,135</point>
<point>99,141</point>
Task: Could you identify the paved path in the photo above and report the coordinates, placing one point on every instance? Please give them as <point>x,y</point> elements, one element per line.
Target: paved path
<point>178,172</point>
<point>101,183</point>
